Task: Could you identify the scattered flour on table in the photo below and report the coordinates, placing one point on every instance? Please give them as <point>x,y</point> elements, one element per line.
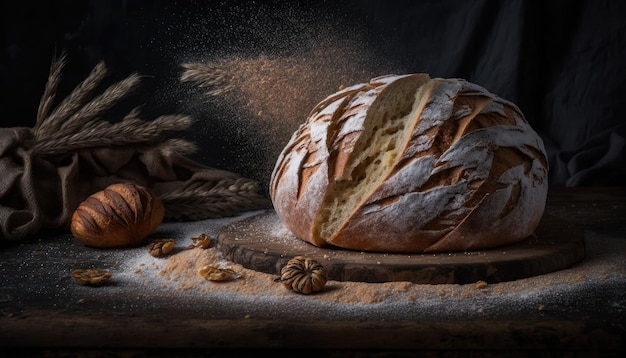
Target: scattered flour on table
<point>179,272</point>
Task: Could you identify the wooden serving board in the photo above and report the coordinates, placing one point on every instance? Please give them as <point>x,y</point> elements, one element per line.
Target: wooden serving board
<point>264,244</point>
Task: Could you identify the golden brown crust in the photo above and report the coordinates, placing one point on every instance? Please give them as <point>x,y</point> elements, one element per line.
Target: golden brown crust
<point>470,173</point>
<point>118,216</point>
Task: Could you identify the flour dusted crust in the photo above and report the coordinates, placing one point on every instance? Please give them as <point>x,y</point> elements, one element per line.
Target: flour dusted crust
<point>406,163</point>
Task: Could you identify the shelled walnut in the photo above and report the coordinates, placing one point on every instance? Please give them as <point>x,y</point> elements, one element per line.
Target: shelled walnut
<point>161,247</point>
<point>303,275</point>
<point>91,277</point>
<point>212,273</point>
<point>202,241</point>
<point>120,215</point>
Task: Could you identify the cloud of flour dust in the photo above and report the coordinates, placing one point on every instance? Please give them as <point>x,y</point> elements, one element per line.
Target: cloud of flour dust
<point>258,70</point>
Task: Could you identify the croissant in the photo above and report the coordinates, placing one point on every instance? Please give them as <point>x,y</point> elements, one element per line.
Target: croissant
<point>121,215</point>
<point>406,163</point>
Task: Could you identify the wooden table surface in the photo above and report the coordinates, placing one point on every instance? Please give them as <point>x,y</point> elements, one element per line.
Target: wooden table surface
<point>43,312</point>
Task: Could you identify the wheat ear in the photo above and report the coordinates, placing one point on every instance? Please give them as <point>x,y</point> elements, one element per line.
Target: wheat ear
<point>54,77</point>
<point>73,102</point>
<point>100,104</point>
<point>209,200</point>
<point>214,77</point>
<point>100,133</point>
<point>174,145</point>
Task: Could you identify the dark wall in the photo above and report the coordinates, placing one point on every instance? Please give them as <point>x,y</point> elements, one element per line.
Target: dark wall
<point>561,62</point>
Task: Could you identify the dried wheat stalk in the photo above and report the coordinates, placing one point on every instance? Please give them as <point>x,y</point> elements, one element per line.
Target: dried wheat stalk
<point>174,145</point>
<point>227,197</point>
<point>73,102</point>
<point>212,76</point>
<point>100,104</point>
<point>104,134</point>
<point>48,94</point>
<point>75,124</point>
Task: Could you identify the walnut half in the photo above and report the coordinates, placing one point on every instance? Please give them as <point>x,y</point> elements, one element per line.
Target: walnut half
<point>212,273</point>
<point>91,277</point>
<point>161,247</point>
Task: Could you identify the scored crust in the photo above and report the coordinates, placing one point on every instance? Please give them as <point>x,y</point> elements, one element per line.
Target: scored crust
<point>412,164</point>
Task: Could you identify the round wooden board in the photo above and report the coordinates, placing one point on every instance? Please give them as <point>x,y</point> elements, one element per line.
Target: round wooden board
<point>262,243</point>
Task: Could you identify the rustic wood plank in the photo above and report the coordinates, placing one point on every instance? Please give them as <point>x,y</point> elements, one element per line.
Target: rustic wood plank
<point>262,243</point>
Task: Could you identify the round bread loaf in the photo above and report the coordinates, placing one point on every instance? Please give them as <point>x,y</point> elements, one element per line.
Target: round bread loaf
<point>411,164</point>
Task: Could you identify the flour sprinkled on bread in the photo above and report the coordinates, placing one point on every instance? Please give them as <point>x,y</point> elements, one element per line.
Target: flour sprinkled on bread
<point>406,163</point>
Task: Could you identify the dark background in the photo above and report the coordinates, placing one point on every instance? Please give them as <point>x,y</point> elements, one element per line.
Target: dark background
<point>562,62</point>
